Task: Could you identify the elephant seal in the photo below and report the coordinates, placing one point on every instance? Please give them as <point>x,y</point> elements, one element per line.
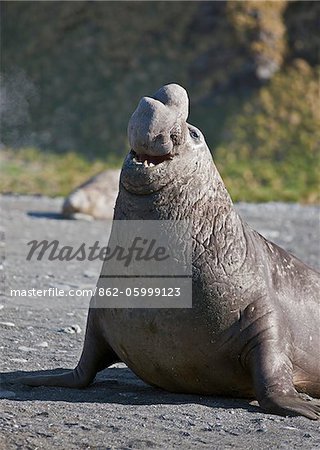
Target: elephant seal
<point>95,198</point>
<point>253,329</point>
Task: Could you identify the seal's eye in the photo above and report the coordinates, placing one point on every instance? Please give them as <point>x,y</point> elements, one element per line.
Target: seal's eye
<point>194,133</point>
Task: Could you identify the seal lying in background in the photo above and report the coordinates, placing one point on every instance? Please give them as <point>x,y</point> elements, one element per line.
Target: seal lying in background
<point>253,330</point>
<point>94,198</point>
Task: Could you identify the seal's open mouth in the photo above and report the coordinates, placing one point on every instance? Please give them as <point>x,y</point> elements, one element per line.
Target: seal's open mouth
<point>149,160</point>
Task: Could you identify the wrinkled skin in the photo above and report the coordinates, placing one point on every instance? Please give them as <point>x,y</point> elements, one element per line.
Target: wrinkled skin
<point>253,330</point>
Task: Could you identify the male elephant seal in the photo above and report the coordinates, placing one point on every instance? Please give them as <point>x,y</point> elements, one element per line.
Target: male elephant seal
<point>253,329</point>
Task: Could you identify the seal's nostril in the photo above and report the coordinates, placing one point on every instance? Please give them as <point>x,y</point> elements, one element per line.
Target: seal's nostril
<point>175,138</point>
<point>175,134</point>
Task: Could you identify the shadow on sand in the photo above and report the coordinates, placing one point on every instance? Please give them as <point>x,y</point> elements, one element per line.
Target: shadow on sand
<point>113,385</point>
<point>48,215</point>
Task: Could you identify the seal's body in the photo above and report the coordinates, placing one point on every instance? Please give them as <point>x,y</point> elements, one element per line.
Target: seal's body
<point>253,330</point>
<point>93,199</point>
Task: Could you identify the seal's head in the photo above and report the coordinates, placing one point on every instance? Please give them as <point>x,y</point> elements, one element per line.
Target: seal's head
<point>164,147</point>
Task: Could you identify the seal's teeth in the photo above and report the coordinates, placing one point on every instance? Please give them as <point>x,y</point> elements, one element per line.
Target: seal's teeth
<point>151,164</point>
<point>145,163</point>
<point>134,160</point>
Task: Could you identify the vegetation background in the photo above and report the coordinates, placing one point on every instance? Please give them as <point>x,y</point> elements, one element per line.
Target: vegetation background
<point>73,72</point>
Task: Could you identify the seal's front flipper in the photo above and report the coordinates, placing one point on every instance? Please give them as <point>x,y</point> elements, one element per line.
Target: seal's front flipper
<point>96,356</point>
<point>291,405</point>
<point>266,352</point>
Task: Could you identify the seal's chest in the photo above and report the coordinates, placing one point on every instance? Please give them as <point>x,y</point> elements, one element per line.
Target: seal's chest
<point>175,351</point>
